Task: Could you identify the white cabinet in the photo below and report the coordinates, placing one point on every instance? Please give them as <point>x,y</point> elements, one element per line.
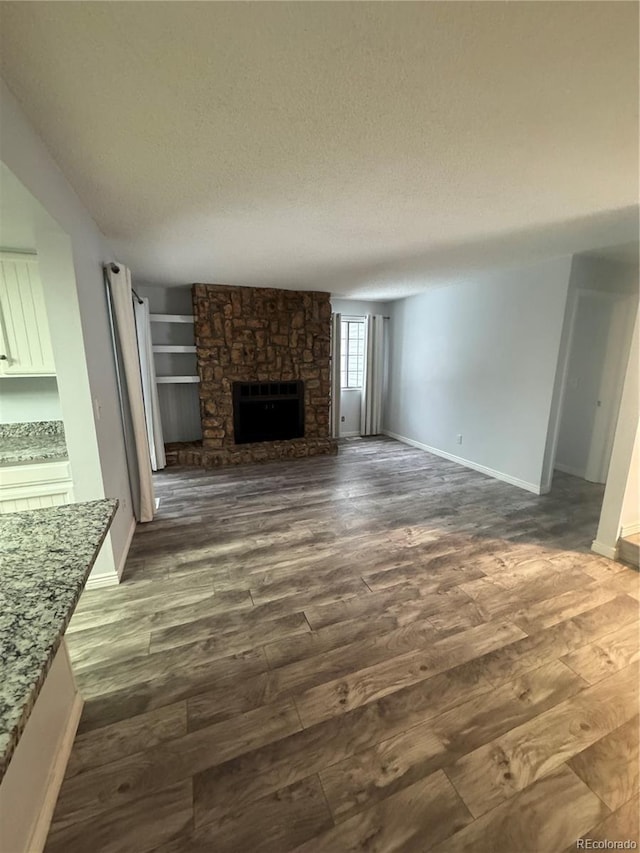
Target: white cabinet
<point>25,344</point>
<point>34,486</point>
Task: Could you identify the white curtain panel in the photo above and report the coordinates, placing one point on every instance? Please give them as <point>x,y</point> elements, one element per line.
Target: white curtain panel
<point>336,334</point>
<point>125,328</point>
<point>149,387</point>
<point>373,385</point>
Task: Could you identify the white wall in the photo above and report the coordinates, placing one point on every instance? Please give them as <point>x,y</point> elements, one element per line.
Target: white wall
<point>630,512</point>
<point>358,307</point>
<point>478,358</point>
<point>32,399</point>
<point>166,299</point>
<point>90,383</point>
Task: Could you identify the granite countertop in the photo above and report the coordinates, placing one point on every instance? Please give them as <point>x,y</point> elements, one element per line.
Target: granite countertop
<point>40,441</point>
<point>45,559</point>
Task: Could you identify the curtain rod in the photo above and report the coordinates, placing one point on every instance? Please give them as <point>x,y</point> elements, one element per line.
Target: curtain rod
<point>361,316</point>
<point>116,269</point>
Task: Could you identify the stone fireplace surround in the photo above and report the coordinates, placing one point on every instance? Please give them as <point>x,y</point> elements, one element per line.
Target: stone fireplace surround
<point>255,334</point>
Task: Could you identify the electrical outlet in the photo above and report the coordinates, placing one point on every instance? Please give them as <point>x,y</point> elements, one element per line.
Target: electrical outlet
<point>459,438</point>
<point>342,419</point>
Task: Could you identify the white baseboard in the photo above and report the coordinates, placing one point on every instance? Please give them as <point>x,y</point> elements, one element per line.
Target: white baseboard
<point>38,837</point>
<point>630,529</point>
<point>349,434</point>
<point>491,472</point>
<point>567,469</point>
<point>604,550</point>
<point>100,581</point>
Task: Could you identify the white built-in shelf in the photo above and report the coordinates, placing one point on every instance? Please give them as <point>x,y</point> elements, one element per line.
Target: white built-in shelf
<point>172,380</point>
<point>171,318</point>
<point>173,348</point>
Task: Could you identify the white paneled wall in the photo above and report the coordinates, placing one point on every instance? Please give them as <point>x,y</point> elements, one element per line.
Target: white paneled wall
<point>57,497</point>
<point>180,412</point>
<point>34,486</point>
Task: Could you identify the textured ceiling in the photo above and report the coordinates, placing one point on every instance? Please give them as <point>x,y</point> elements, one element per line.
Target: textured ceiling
<point>363,148</point>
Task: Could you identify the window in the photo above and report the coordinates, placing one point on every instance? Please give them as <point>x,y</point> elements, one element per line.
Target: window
<point>352,353</point>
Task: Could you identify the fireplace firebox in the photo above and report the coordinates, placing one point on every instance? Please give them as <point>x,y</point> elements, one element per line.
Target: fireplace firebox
<point>267,411</point>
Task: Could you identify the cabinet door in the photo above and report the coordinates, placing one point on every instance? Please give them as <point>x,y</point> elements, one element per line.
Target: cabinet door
<point>25,345</point>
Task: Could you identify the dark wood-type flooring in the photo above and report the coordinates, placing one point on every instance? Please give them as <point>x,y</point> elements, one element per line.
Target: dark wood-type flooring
<point>380,651</point>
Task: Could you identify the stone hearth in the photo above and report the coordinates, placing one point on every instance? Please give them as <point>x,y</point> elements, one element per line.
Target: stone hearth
<point>248,334</point>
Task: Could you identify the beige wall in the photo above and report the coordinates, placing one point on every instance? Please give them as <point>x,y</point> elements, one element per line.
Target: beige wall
<point>72,251</point>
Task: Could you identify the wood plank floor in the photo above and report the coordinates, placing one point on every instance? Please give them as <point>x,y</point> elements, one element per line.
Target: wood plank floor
<point>381,651</point>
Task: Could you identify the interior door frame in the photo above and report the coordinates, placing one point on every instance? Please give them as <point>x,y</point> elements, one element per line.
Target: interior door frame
<point>612,377</point>
<point>598,462</point>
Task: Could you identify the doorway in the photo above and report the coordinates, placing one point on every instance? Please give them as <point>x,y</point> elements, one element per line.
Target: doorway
<point>598,349</point>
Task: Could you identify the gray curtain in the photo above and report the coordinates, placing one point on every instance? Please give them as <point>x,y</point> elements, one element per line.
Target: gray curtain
<point>336,334</point>
<point>374,376</point>
<point>123,327</point>
<point>155,438</point>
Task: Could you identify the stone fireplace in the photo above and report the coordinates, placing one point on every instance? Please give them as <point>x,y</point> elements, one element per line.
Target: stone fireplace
<point>264,366</point>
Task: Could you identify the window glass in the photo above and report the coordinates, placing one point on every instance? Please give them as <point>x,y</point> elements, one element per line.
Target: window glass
<point>352,354</point>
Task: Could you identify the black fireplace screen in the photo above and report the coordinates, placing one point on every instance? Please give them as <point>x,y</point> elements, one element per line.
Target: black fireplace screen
<point>268,411</point>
